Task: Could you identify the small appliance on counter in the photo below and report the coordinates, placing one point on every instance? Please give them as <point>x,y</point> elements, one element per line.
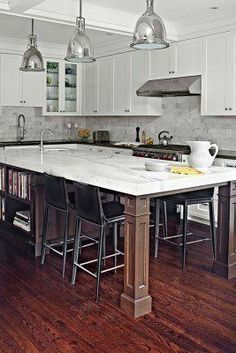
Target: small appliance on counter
<point>101,136</point>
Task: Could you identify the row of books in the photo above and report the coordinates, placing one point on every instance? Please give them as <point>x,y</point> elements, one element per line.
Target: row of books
<point>19,184</point>
<point>22,220</point>
<point>2,178</point>
<point>2,208</point>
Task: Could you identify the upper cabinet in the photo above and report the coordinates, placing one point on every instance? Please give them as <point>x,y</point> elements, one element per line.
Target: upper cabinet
<point>62,93</point>
<point>180,59</point>
<point>219,78</point>
<point>20,88</point>
<point>110,85</point>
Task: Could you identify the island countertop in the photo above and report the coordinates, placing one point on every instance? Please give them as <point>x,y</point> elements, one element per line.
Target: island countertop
<point>124,174</point>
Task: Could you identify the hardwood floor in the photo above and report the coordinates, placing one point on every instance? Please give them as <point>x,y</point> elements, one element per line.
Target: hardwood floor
<point>193,311</point>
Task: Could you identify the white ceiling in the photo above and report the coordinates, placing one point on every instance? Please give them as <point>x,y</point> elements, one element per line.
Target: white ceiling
<point>183,18</point>
<point>19,28</point>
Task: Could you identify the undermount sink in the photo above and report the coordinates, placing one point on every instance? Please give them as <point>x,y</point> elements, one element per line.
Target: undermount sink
<point>55,150</point>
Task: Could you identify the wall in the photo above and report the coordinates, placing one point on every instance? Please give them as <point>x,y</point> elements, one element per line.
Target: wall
<point>35,123</point>
<point>180,116</point>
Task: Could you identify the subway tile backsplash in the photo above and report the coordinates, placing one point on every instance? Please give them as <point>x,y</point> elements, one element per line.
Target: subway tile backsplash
<point>180,115</point>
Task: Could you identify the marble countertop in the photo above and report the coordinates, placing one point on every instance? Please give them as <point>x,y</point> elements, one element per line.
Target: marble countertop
<point>125,174</point>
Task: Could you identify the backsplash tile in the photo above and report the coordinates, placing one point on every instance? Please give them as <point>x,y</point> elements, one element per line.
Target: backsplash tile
<point>180,116</point>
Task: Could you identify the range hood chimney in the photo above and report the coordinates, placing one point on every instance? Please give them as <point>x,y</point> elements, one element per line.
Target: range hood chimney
<point>171,87</point>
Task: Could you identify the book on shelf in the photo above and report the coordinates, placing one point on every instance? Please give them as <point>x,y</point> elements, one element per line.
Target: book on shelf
<point>2,208</point>
<point>22,220</point>
<point>2,178</point>
<point>19,184</point>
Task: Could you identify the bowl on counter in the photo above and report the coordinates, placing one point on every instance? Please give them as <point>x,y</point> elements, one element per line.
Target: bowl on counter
<point>157,166</point>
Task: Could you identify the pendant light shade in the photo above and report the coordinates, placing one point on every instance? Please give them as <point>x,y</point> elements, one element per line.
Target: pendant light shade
<point>150,32</point>
<point>79,49</point>
<point>32,59</point>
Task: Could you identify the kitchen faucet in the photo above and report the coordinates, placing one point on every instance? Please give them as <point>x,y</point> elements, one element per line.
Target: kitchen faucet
<point>21,128</point>
<point>42,136</point>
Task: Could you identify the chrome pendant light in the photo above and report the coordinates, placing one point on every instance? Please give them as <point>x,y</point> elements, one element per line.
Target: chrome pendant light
<point>32,59</point>
<point>79,49</point>
<point>150,32</point>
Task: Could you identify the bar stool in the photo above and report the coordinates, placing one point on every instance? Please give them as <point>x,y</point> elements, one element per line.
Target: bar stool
<point>89,208</point>
<point>186,199</point>
<point>57,197</point>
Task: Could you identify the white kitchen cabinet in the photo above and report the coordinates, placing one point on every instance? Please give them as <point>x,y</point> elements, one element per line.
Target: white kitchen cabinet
<point>19,88</point>
<point>180,59</point>
<point>90,89</point>
<point>62,88</point>
<point>105,97</point>
<point>121,84</point>
<point>219,78</point>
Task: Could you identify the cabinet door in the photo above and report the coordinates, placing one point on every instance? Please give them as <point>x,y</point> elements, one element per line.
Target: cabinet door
<point>71,92</point>
<point>214,79</point>
<point>231,75</point>
<point>90,91</point>
<point>52,83</point>
<point>121,84</point>
<point>139,74</point>
<point>11,80</point>
<point>187,57</point>
<point>105,86</point>
<point>159,63</point>
<point>33,89</point>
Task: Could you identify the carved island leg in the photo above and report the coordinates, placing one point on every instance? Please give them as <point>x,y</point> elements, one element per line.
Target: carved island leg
<point>135,300</point>
<point>225,264</point>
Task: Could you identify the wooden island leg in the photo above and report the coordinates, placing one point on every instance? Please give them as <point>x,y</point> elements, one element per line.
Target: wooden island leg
<point>135,300</point>
<point>225,264</point>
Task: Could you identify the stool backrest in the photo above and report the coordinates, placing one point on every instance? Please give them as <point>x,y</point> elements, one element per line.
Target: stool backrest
<point>88,203</point>
<point>56,192</point>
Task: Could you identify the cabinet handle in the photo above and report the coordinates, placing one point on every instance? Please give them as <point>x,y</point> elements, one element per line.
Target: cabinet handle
<point>230,108</point>
<point>226,108</point>
<point>95,111</point>
<point>173,72</point>
<point>127,110</point>
<point>21,101</point>
<point>24,101</point>
<point>169,72</point>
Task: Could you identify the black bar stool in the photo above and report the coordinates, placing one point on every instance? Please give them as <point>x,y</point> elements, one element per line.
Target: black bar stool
<point>89,208</point>
<point>185,199</point>
<point>57,197</point>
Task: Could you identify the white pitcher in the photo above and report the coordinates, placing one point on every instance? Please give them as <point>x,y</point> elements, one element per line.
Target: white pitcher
<point>200,156</point>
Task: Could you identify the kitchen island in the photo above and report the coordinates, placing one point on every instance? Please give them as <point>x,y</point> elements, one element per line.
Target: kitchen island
<point>127,175</point>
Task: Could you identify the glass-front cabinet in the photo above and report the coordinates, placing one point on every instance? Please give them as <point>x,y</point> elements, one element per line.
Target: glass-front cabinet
<point>62,82</point>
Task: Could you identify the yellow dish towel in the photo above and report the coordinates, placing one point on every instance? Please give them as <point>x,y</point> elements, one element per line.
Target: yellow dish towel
<point>185,171</point>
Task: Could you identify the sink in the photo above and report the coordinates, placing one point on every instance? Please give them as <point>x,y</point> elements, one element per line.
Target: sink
<point>55,150</point>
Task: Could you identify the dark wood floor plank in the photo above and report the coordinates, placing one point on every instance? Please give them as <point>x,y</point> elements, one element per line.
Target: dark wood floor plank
<point>193,311</point>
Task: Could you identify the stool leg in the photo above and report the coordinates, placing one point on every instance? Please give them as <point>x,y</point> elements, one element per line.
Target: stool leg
<point>45,233</point>
<point>99,262</point>
<point>212,228</point>
<point>65,243</point>
<point>165,220</point>
<point>76,250</point>
<point>184,246</point>
<point>157,226</point>
<point>104,250</point>
<point>115,232</point>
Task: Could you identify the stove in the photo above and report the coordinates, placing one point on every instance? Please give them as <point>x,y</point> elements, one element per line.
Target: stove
<point>176,153</point>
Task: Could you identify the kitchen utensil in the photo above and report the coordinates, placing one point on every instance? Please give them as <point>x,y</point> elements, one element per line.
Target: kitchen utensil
<point>200,156</point>
<point>164,139</point>
<point>137,134</point>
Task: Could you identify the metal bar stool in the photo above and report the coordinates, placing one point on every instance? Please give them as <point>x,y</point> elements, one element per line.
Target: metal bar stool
<point>57,197</point>
<point>89,208</point>
<point>186,199</point>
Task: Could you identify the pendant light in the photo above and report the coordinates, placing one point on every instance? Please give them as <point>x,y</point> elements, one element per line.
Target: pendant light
<point>32,59</point>
<point>150,32</point>
<point>79,49</point>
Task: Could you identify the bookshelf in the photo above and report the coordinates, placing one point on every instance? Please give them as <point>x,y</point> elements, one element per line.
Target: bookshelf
<point>21,202</point>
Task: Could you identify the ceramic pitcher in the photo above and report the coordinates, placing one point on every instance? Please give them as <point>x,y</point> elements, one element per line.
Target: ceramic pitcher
<point>200,156</point>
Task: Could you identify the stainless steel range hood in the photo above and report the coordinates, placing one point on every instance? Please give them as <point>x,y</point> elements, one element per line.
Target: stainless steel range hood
<point>181,86</point>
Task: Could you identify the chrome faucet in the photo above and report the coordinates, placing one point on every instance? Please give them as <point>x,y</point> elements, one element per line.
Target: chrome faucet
<point>21,128</point>
<point>41,138</point>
